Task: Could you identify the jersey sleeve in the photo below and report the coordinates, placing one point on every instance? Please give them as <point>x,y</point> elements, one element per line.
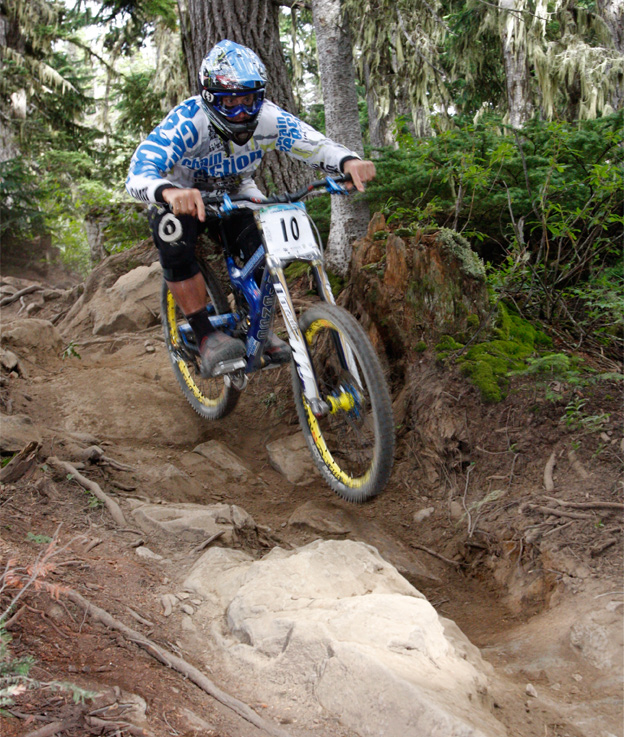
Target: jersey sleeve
<point>161,150</point>
<point>303,142</point>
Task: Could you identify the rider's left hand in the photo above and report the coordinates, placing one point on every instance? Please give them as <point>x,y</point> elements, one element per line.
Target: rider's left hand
<point>360,171</point>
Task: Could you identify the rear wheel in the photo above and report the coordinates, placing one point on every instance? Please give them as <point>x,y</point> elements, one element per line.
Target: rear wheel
<point>353,443</point>
<point>212,398</point>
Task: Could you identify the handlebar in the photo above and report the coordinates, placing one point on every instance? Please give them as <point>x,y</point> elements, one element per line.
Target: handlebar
<point>332,184</point>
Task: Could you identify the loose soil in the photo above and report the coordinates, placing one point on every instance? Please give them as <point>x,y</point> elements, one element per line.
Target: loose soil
<point>506,549</point>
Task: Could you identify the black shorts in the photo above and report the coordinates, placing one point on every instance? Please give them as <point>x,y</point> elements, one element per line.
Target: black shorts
<point>176,237</point>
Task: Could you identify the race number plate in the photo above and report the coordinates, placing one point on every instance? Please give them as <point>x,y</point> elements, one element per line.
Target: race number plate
<point>288,233</point>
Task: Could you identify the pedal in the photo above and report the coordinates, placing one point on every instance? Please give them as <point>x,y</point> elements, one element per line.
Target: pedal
<point>237,379</point>
<point>226,367</point>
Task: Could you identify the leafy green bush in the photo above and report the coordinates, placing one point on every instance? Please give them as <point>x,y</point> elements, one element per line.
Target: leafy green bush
<point>543,206</point>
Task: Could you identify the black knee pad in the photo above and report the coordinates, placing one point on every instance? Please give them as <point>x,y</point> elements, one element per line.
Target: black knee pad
<point>175,237</point>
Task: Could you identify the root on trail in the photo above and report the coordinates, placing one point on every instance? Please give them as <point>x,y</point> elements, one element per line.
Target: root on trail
<point>179,664</point>
<point>549,484</point>
<point>92,486</point>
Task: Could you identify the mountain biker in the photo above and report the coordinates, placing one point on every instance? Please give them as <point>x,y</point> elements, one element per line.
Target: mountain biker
<point>214,142</point>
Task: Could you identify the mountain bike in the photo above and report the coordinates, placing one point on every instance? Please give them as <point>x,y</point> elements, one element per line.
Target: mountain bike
<point>340,393</point>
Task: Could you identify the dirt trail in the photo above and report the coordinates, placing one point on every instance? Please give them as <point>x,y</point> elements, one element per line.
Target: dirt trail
<point>493,578</point>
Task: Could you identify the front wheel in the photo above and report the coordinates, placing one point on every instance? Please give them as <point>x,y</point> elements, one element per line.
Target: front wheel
<point>353,443</point>
<point>212,398</point>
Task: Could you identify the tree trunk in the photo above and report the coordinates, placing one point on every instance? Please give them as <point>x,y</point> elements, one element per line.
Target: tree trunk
<point>349,216</point>
<point>379,124</point>
<point>612,13</point>
<point>513,32</point>
<point>255,24</point>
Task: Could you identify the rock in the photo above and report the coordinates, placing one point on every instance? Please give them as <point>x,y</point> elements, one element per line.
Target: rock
<point>594,642</point>
<point>456,510</point>
<point>423,514</point>
<point>193,523</point>
<point>16,431</point>
<point>196,723</point>
<point>145,552</point>
<point>130,304</point>
<point>167,601</point>
<point>171,484</point>
<point>330,518</point>
<point>223,464</point>
<point>339,625</point>
<point>33,334</point>
<point>290,456</point>
<point>10,362</point>
<point>530,690</point>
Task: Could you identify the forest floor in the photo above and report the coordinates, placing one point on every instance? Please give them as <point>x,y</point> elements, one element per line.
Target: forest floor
<point>503,551</point>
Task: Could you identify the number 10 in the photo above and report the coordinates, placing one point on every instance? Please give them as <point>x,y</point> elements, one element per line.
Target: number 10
<point>294,229</point>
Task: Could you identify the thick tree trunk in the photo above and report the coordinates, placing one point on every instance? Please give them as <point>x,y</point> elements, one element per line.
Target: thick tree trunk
<point>612,13</point>
<point>252,23</point>
<point>513,32</point>
<point>349,216</point>
<point>379,124</point>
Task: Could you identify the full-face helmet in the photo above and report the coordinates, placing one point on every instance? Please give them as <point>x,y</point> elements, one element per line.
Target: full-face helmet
<point>231,71</point>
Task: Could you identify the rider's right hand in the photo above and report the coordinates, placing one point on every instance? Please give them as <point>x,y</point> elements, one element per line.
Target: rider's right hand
<point>185,202</point>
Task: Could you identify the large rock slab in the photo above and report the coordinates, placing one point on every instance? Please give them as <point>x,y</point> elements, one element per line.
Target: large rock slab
<point>337,630</point>
<point>132,303</point>
<point>337,520</point>
<point>193,523</point>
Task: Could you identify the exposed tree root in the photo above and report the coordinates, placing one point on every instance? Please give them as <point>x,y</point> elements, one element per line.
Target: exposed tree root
<point>179,664</point>
<point>605,545</point>
<point>14,297</point>
<point>586,505</point>
<point>549,484</point>
<point>455,563</point>
<point>559,512</point>
<point>95,489</point>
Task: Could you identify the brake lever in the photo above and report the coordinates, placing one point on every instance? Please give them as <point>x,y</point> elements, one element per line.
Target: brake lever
<point>333,187</point>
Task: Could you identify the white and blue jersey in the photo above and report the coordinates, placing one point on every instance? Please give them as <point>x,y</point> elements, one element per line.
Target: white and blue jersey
<point>186,151</point>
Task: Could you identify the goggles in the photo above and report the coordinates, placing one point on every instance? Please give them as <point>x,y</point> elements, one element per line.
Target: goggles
<point>218,102</point>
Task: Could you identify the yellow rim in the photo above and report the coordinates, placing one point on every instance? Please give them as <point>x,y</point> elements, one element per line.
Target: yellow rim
<point>344,402</point>
<point>181,364</point>
<point>328,459</point>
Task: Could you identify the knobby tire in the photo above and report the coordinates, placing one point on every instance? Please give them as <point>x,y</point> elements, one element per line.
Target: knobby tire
<point>352,446</point>
<point>211,398</point>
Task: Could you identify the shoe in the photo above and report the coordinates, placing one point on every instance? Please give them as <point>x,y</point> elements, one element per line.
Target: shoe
<point>217,347</point>
<point>276,350</point>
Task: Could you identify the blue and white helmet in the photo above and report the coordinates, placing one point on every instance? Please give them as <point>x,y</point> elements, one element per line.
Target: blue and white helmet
<point>228,70</point>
